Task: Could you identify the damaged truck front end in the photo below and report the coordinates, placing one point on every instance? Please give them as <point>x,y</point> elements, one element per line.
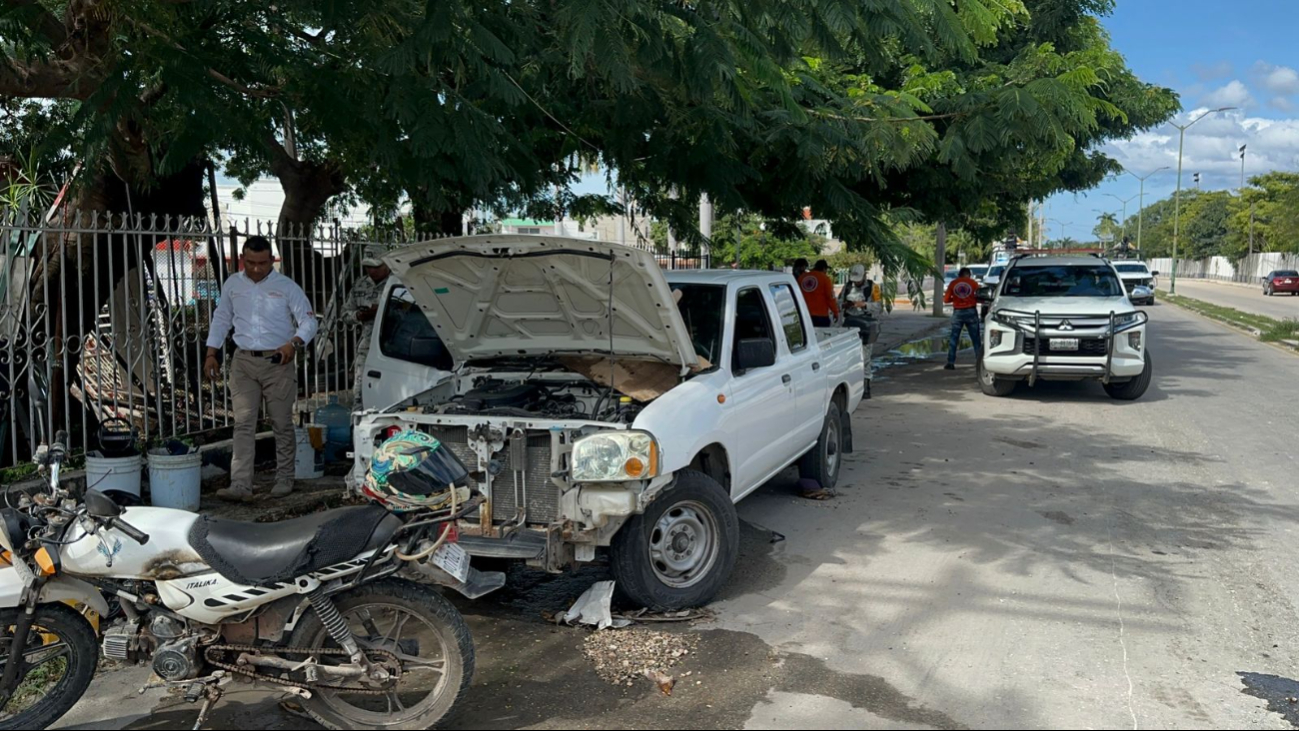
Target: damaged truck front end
<point>555,490</point>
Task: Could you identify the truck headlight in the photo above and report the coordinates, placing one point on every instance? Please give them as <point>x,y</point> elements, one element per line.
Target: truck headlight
<point>615,457</point>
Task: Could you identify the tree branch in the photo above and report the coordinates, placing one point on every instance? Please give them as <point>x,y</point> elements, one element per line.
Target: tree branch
<point>50,79</point>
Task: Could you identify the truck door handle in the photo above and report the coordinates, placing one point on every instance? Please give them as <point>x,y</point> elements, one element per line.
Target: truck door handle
<point>786,379</point>
<point>816,366</point>
<point>374,374</point>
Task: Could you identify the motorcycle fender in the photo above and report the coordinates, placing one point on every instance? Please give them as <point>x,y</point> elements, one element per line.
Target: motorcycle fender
<point>57,589</point>
<point>66,588</point>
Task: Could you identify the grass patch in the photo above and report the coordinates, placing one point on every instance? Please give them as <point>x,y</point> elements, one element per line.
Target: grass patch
<point>1269,329</point>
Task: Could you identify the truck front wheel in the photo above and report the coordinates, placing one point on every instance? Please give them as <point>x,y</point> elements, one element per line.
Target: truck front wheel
<point>681,551</point>
<point>992,385</point>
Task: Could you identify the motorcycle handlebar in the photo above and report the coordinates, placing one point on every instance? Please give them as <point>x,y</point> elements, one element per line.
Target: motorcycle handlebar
<point>131,531</point>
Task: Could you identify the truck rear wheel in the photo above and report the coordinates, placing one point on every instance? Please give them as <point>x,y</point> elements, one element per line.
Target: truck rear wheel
<point>1134,389</point>
<point>992,385</point>
<point>681,551</point>
<point>822,462</point>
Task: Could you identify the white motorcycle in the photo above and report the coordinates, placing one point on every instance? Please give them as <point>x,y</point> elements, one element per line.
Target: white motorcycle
<point>323,607</point>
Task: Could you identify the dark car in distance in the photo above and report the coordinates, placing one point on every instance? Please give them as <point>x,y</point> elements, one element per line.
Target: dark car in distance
<point>1281,280</point>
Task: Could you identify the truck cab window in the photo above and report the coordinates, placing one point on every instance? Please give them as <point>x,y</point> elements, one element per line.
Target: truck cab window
<point>406,334</point>
<point>790,317</point>
<point>751,321</point>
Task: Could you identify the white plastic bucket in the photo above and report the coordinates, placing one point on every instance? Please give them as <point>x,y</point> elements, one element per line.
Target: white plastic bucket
<point>304,463</point>
<point>175,481</point>
<point>113,473</point>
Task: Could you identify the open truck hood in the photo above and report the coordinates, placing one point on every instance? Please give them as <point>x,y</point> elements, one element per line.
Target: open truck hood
<point>510,295</point>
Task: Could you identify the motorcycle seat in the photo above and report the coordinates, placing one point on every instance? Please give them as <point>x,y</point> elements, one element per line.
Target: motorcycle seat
<point>264,554</point>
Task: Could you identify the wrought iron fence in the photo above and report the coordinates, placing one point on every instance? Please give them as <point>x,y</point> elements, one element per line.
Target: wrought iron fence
<point>106,317</point>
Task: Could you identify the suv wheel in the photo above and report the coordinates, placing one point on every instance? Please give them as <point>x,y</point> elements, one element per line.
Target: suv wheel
<point>992,385</point>
<point>1267,290</point>
<point>679,553</point>
<point>822,462</point>
<point>1134,389</point>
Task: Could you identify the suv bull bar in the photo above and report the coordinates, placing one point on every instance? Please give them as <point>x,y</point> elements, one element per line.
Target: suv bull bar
<point>1022,320</point>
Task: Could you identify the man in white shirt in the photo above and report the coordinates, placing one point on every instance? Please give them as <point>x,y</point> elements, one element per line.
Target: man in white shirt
<point>272,321</point>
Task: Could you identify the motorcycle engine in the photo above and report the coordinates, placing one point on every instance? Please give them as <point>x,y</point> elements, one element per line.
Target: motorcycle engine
<point>177,655</point>
<point>177,660</point>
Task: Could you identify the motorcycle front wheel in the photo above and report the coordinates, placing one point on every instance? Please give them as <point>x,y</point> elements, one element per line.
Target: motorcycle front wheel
<point>424,631</point>
<point>59,659</point>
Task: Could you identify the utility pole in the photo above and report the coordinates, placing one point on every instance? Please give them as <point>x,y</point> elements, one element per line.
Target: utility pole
<point>1242,167</point>
<point>705,228</point>
<point>1177,197</point>
<point>1141,200</point>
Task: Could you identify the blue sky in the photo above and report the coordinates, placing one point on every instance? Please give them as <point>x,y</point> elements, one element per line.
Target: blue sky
<point>1243,54</point>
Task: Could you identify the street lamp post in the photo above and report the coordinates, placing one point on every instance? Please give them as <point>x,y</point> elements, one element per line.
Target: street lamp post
<point>1177,198</point>
<point>1125,211</point>
<point>1141,202</point>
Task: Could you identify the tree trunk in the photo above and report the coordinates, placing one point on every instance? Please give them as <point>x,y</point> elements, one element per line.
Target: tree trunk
<point>940,261</point>
<point>435,220</point>
<point>307,186</point>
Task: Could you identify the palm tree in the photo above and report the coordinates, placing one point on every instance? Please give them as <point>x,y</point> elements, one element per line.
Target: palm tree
<point>1105,225</point>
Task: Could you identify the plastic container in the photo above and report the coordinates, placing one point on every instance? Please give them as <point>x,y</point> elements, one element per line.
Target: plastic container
<point>306,463</point>
<point>337,420</point>
<point>113,473</point>
<point>175,480</point>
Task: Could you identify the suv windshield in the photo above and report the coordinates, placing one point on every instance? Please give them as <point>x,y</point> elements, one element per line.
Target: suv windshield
<point>1132,268</point>
<point>995,271</point>
<point>1063,280</point>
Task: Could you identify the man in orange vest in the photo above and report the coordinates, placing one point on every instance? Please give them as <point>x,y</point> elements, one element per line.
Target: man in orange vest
<point>962,295</point>
<point>818,292</point>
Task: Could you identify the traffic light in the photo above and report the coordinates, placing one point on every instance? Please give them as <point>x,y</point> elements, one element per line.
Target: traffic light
<point>1197,180</point>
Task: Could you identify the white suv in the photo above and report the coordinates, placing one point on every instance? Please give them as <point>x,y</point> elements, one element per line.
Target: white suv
<point>1138,280</point>
<point>1063,319</point>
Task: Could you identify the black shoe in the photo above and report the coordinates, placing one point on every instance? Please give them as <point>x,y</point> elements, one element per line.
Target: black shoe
<point>949,367</point>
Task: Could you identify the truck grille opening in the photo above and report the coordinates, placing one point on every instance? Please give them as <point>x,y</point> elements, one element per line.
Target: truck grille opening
<point>543,494</point>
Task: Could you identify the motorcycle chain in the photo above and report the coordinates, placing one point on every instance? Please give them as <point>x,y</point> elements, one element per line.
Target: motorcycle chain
<point>252,673</point>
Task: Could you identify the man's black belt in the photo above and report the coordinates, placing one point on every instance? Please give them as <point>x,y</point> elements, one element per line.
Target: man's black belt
<point>258,353</point>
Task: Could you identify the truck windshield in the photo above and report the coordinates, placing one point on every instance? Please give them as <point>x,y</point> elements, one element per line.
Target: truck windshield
<point>1132,268</point>
<point>1062,281</point>
<point>702,307</point>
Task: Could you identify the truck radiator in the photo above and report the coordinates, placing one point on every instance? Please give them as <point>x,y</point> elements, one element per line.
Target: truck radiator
<point>543,494</point>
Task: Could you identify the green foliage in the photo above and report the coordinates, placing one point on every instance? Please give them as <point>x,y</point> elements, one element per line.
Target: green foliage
<point>770,249</point>
<point>956,111</point>
<point>1217,223</point>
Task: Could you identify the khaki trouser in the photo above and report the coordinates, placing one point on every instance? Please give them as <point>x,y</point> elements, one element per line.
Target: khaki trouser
<point>251,380</point>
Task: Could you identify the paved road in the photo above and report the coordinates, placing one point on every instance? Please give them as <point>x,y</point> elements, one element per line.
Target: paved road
<point>1053,559</point>
<point>1246,299</point>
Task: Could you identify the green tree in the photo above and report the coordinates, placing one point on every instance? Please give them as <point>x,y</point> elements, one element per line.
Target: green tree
<point>1107,225</point>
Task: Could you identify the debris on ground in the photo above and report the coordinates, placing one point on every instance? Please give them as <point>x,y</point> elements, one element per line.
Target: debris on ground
<point>622,657</point>
<point>812,490</point>
<point>593,608</point>
<point>683,615</point>
<point>664,681</point>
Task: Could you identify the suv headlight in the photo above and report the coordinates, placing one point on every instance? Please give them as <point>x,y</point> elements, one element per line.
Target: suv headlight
<point>615,457</point>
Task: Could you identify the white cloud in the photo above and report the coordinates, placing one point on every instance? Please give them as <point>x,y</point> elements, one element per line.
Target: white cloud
<point>1212,147</point>
<point>1233,94</point>
<point>1283,104</point>
<point>1280,80</point>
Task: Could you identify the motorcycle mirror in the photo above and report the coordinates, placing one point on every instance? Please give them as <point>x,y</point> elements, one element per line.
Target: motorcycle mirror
<point>99,505</point>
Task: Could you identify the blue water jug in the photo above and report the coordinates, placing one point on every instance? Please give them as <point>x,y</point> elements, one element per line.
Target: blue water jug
<point>337,421</point>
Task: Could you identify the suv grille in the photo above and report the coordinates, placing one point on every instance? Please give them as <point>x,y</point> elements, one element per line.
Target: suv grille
<point>1131,283</point>
<point>1086,347</point>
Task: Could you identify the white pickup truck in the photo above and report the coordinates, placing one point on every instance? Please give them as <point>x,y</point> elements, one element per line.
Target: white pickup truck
<point>599,401</point>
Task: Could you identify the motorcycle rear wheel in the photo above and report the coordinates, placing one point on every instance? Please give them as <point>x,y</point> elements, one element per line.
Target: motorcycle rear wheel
<point>61,656</point>
<point>428,635</point>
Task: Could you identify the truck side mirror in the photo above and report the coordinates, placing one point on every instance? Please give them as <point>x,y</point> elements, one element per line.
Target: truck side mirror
<point>984,295</point>
<point>755,353</point>
<point>1154,274</point>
